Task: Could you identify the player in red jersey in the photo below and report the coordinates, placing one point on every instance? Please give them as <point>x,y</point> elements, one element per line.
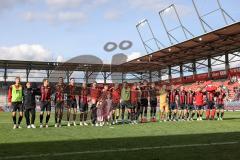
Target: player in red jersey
<point>182,108</point>
<point>236,93</point>
<point>115,94</point>
<point>108,109</point>
<point>83,104</point>
<point>105,112</point>
<point>94,95</point>
<point>210,93</point>
<point>173,100</point>
<point>199,102</point>
<point>71,102</point>
<point>220,98</point>
<point>59,101</point>
<point>190,105</point>
<point>45,102</point>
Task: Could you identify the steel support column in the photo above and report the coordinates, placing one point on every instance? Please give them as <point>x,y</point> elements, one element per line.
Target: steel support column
<point>209,68</point>
<point>48,74</point>
<point>141,76</point>
<point>160,75</point>
<point>181,70</point>
<point>5,75</point>
<point>169,72</point>
<point>122,77</point>
<point>227,66</point>
<point>27,74</point>
<point>194,69</point>
<point>86,76</point>
<point>68,76</point>
<point>105,77</point>
<point>150,76</point>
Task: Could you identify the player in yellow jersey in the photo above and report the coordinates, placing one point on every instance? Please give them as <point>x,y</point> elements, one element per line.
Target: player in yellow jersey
<point>164,107</point>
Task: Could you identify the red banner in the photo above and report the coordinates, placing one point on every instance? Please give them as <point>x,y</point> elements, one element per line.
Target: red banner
<point>234,72</point>
<point>202,77</point>
<point>165,82</point>
<point>188,79</point>
<point>219,74</point>
<point>176,81</point>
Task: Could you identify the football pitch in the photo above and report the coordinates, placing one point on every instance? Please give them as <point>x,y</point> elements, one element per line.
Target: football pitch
<point>161,140</point>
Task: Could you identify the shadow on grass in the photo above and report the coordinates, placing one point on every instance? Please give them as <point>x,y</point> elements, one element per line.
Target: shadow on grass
<point>221,151</point>
<point>232,118</point>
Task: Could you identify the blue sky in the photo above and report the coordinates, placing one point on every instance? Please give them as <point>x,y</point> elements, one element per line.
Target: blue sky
<point>47,29</point>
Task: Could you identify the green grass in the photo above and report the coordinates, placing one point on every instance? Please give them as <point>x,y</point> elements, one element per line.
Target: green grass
<point>132,138</point>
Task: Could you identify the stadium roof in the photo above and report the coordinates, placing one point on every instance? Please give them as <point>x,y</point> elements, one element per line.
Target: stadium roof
<point>37,65</point>
<point>212,44</point>
<point>215,43</point>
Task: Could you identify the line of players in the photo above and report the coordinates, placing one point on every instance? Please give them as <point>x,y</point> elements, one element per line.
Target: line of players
<point>107,105</point>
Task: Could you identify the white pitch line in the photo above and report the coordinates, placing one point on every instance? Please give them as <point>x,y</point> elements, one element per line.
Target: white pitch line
<point>116,150</point>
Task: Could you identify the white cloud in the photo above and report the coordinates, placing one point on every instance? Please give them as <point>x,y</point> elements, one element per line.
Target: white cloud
<point>7,4</point>
<point>134,55</point>
<point>71,16</point>
<point>99,2</point>
<point>157,5</point>
<point>60,59</point>
<point>73,4</point>
<point>63,11</point>
<point>56,17</point>
<point>29,52</point>
<point>148,5</point>
<point>112,15</point>
<point>60,4</point>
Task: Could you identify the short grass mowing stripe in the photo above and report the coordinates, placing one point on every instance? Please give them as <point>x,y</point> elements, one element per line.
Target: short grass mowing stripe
<point>117,150</point>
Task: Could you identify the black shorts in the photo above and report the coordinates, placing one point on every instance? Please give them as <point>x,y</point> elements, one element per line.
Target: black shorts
<point>134,105</point>
<point>83,107</point>
<point>17,106</point>
<point>126,104</point>
<point>144,102</point>
<point>93,106</point>
<point>30,110</point>
<point>59,105</point>
<point>45,105</point>
<point>220,106</point>
<point>173,106</point>
<point>210,105</point>
<point>72,103</point>
<point>191,107</point>
<point>153,103</point>
<point>200,108</point>
<point>115,106</point>
<point>182,106</point>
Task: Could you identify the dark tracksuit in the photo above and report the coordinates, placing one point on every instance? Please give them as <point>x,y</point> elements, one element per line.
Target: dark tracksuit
<point>29,104</point>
